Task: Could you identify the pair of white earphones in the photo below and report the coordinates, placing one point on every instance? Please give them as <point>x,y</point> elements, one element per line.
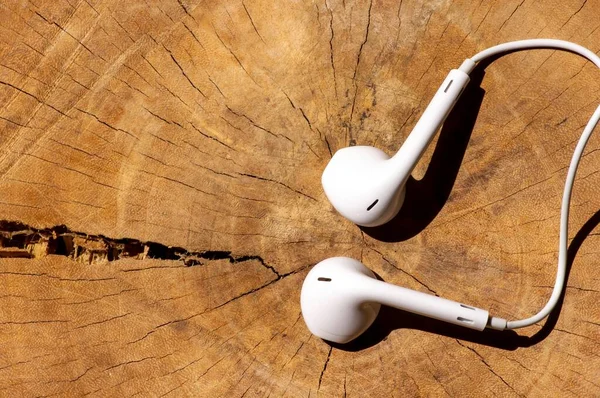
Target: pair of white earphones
<point>341,297</point>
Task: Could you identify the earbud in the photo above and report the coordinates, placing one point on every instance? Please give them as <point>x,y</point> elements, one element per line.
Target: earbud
<point>341,298</point>
<point>365,185</point>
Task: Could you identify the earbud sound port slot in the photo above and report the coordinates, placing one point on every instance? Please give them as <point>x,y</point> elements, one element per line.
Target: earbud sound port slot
<point>448,86</point>
<point>372,204</point>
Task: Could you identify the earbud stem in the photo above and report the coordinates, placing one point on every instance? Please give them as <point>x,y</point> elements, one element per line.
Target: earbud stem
<point>405,160</point>
<point>425,304</point>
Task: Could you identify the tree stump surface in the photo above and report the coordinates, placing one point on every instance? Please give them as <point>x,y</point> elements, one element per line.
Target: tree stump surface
<point>160,167</point>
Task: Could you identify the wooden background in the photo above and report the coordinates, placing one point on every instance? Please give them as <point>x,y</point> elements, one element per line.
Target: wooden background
<point>160,189</point>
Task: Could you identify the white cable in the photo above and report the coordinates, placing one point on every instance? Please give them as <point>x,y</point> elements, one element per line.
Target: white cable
<point>538,43</point>
<point>499,323</point>
<point>564,229</point>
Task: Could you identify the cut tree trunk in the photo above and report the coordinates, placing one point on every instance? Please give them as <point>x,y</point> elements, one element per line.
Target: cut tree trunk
<point>161,202</point>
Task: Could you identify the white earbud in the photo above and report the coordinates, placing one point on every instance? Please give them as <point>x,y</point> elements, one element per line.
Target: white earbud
<point>365,185</point>
<point>341,298</point>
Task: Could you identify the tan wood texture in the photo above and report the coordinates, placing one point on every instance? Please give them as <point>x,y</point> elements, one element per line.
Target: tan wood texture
<point>160,189</point>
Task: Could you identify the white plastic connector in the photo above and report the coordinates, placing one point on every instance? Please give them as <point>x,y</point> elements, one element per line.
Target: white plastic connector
<point>467,66</point>
<point>496,323</point>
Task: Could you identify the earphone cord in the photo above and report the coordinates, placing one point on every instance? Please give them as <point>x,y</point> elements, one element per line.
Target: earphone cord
<point>467,67</point>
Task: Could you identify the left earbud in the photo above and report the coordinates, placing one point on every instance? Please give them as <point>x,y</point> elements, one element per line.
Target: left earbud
<point>365,185</point>
<point>341,298</point>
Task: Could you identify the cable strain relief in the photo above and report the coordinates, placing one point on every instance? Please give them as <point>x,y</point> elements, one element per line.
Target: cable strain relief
<point>467,66</point>
<point>496,323</point>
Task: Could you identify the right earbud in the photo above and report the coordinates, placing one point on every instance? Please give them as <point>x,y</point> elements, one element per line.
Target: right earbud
<point>365,185</point>
<point>341,298</point>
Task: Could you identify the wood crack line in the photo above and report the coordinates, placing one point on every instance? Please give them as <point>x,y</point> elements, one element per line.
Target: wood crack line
<point>324,368</point>
<point>60,240</point>
<point>249,292</point>
<point>358,58</point>
<point>489,367</point>
<point>403,271</point>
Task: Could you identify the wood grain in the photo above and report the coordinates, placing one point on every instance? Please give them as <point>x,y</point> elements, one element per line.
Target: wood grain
<point>160,174</point>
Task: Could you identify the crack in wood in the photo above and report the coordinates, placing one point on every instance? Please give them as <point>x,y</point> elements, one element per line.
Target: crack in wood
<point>184,73</point>
<point>324,368</point>
<point>331,38</point>
<point>21,240</point>
<point>358,58</point>
<point>277,182</point>
<point>106,123</point>
<point>252,122</point>
<point>70,35</point>
<point>41,101</point>
<point>400,269</point>
<point>252,22</point>
<point>488,366</point>
<point>511,14</point>
<point>574,14</point>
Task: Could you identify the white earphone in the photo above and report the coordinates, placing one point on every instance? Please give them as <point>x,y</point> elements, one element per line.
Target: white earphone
<point>365,185</point>
<point>340,297</point>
